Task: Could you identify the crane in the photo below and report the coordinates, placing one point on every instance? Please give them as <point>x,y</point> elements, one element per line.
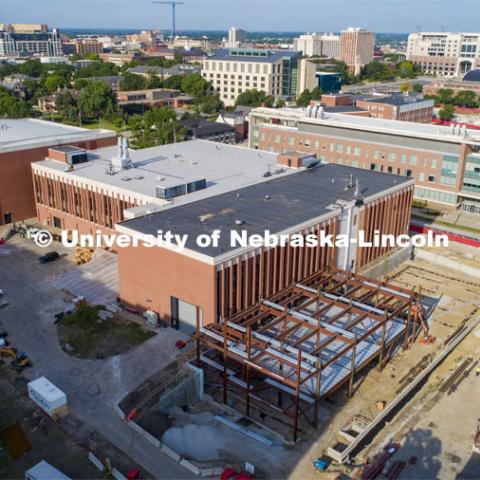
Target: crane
<point>174,4</point>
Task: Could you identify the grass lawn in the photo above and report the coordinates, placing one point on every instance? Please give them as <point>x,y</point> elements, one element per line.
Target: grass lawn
<point>84,334</point>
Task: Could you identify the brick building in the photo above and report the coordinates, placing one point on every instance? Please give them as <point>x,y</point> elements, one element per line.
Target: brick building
<point>356,48</point>
<point>25,141</point>
<point>229,279</point>
<point>117,183</point>
<point>444,161</point>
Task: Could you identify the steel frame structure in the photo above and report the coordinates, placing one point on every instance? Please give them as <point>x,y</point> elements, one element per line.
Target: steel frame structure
<point>308,340</point>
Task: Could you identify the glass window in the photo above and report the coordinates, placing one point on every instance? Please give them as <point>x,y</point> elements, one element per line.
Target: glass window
<point>413,160</point>
<point>403,158</point>
<point>277,139</point>
<point>357,151</point>
<point>431,178</point>
<point>392,156</point>
<point>376,154</point>
<point>421,177</point>
<point>339,148</point>
<point>291,141</point>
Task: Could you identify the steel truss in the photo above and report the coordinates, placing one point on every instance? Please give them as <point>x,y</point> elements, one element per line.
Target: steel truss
<point>309,339</point>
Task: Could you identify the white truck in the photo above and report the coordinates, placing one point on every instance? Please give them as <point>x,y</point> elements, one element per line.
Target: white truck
<point>48,397</point>
<point>44,471</point>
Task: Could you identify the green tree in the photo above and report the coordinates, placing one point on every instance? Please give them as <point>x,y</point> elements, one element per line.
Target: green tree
<point>130,81</point>
<point>445,96</point>
<point>466,98</point>
<point>447,113</point>
<point>174,82</point>
<point>33,68</point>
<point>54,82</point>
<point>156,127</point>
<point>66,105</point>
<point>98,69</point>
<point>11,106</point>
<point>417,87</point>
<point>307,96</point>
<point>405,87</point>
<point>377,71</point>
<point>254,98</point>
<point>406,69</point>
<point>195,85</point>
<point>153,81</point>
<point>97,100</point>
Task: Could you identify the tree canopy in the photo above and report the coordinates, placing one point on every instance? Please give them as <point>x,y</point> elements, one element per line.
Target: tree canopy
<point>254,98</point>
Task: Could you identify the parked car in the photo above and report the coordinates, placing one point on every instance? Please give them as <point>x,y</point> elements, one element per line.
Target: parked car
<point>49,257</point>
<point>3,303</point>
<point>2,292</point>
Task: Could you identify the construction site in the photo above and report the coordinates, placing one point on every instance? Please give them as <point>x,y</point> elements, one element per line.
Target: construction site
<point>332,375</point>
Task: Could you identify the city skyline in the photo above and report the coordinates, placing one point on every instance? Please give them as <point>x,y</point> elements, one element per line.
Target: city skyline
<point>376,15</point>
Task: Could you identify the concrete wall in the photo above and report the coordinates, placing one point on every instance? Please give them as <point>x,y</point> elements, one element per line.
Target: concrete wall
<point>387,264</point>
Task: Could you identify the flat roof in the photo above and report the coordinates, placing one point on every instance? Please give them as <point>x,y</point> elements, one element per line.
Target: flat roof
<point>395,99</point>
<point>25,133</point>
<point>371,124</point>
<point>251,55</point>
<point>225,167</point>
<point>278,205</point>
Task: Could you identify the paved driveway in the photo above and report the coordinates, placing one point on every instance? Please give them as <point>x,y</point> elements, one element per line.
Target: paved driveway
<point>93,387</point>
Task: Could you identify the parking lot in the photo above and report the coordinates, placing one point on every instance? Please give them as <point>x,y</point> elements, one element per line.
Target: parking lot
<point>93,387</point>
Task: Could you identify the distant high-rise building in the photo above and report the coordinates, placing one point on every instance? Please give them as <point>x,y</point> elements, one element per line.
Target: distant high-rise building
<point>29,39</point>
<point>356,48</point>
<point>236,38</point>
<point>444,54</point>
<point>313,45</point>
<point>88,45</point>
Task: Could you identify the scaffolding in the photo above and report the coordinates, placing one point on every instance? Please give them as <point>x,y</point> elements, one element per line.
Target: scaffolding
<point>291,350</point>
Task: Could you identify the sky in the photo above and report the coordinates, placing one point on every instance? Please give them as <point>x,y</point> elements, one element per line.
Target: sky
<point>255,15</point>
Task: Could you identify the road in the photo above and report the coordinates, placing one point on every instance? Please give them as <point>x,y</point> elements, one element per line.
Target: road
<point>93,387</point>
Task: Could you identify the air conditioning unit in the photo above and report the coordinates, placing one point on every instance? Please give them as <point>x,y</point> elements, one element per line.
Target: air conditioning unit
<point>151,317</point>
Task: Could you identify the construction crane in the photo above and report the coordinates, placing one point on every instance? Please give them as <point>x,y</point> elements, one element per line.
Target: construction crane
<point>174,4</point>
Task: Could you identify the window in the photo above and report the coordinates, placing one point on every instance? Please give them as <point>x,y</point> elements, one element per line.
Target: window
<point>349,149</point>
<point>431,178</point>
<point>373,166</point>
<point>355,163</point>
<point>403,158</point>
<point>291,141</point>
<point>57,222</point>
<point>356,152</point>
<point>434,163</point>
<point>376,154</point>
<point>277,139</point>
<point>408,173</point>
<point>389,169</point>
<point>392,156</point>
<point>421,177</point>
<point>413,160</point>
<point>339,148</point>
<point>332,147</point>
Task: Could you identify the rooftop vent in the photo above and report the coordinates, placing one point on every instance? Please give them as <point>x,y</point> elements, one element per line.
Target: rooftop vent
<point>207,216</point>
<point>138,177</point>
<point>122,160</point>
<point>239,222</point>
<point>126,179</point>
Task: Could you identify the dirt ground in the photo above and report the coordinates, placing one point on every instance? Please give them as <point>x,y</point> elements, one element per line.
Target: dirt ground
<point>47,439</point>
<point>438,430</point>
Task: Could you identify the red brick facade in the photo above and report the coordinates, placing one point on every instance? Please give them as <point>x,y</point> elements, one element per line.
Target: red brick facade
<point>16,188</point>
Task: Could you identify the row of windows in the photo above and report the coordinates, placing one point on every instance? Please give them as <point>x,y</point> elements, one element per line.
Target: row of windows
<point>242,67</point>
<point>357,151</point>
